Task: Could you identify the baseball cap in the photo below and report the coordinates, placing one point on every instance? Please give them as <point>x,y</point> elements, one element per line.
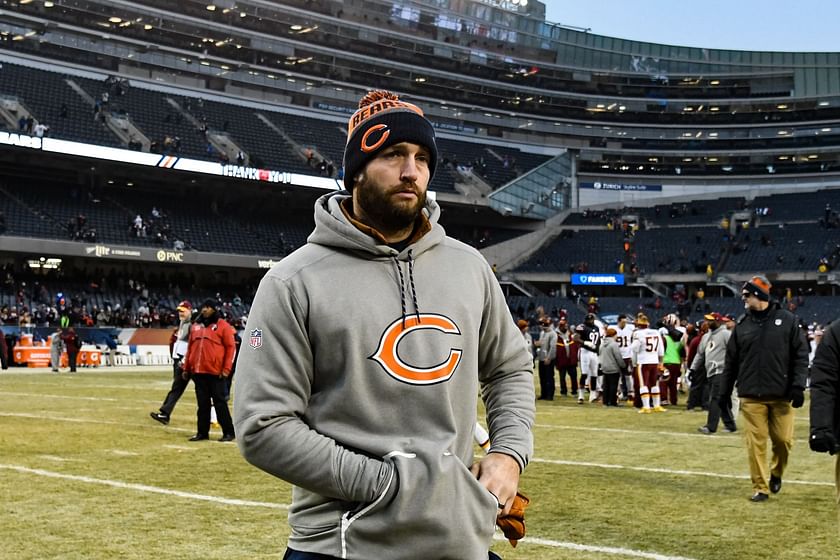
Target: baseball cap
<point>184,305</point>
<point>714,317</point>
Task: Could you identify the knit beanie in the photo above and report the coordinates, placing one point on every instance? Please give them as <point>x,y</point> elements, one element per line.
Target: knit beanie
<point>382,120</point>
<point>759,286</point>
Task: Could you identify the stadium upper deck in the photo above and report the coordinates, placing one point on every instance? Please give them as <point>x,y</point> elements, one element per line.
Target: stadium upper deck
<point>631,108</point>
<point>508,83</point>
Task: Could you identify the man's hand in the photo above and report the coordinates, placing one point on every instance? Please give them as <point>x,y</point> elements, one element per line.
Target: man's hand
<point>797,397</point>
<point>513,525</point>
<point>499,474</point>
<point>823,441</point>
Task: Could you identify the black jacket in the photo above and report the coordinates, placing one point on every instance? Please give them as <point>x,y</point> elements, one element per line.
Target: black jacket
<point>825,383</point>
<point>767,354</point>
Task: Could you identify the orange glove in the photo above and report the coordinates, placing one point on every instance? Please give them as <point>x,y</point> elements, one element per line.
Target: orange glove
<point>513,524</point>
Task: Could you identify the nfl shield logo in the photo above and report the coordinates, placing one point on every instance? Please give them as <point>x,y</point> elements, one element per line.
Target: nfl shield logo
<point>256,338</point>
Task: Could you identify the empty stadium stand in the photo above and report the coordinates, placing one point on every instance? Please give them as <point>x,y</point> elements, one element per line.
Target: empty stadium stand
<point>268,136</point>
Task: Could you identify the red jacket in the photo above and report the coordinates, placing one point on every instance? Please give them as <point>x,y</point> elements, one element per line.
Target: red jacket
<point>692,348</point>
<point>562,359</point>
<point>71,341</point>
<point>211,348</point>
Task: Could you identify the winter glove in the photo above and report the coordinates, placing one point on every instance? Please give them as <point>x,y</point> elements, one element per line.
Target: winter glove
<point>797,397</point>
<point>823,441</point>
<point>690,375</point>
<point>513,524</point>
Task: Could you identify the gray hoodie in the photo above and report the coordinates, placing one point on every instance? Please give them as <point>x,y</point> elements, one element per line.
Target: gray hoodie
<point>609,356</point>
<point>359,386</point>
<point>711,352</point>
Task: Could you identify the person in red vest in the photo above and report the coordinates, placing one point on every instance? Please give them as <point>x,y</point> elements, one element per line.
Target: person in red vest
<point>73,344</point>
<point>209,360</point>
<point>568,351</point>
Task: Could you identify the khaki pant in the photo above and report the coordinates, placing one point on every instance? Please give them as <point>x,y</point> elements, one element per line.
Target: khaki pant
<point>837,480</point>
<point>773,419</point>
<point>837,489</point>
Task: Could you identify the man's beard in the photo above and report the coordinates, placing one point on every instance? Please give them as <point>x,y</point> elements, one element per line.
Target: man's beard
<point>380,208</point>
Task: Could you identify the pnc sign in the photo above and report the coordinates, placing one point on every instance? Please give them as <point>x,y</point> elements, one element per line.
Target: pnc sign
<point>170,256</point>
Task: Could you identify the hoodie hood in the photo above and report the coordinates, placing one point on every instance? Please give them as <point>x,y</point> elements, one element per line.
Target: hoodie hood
<point>334,229</point>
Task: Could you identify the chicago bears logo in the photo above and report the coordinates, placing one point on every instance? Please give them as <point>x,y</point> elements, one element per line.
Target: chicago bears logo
<point>387,354</point>
<point>368,148</point>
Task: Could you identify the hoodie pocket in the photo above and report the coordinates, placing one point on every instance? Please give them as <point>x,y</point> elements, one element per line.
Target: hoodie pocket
<point>430,501</point>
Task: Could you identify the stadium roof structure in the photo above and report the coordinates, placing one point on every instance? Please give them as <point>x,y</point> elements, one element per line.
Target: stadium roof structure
<point>631,109</point>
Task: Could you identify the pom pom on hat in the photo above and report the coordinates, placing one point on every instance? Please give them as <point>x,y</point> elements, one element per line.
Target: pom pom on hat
<point>381,121</point>
<point>759,286</point>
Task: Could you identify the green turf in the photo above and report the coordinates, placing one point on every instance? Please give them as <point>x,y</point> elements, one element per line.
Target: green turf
<point>85,473</point>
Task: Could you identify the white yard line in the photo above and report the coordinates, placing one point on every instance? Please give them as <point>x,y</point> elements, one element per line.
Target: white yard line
<point>48,396</point>
<point>678,472</point>
<point>628,552</point>
<point>151,423</point>
<point>693,434</point>
<point>249,503</point>
<point>143,488</point>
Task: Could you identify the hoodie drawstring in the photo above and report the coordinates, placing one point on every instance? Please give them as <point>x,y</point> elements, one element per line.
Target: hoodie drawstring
<point>411,283</point>
<point>402,288</point>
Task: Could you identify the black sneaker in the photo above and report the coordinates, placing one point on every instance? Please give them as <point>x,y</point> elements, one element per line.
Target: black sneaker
<point>160,417</point>
<point>199,437</point>
<point>775,484</point>
<point>227,437</point>
<point>759,497</point>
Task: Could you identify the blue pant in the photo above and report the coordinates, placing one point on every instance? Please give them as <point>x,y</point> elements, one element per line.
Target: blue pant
<point>297,555</point>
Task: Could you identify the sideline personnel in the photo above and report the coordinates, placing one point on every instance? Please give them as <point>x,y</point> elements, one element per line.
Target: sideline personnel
<point>767,359</point>
<point>210,352</point>
<point>370,411</point>
<point>825,399</point>
<point>179,350</point>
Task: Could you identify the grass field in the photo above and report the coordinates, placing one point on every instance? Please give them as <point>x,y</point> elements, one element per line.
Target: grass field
<point>85,473</point>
